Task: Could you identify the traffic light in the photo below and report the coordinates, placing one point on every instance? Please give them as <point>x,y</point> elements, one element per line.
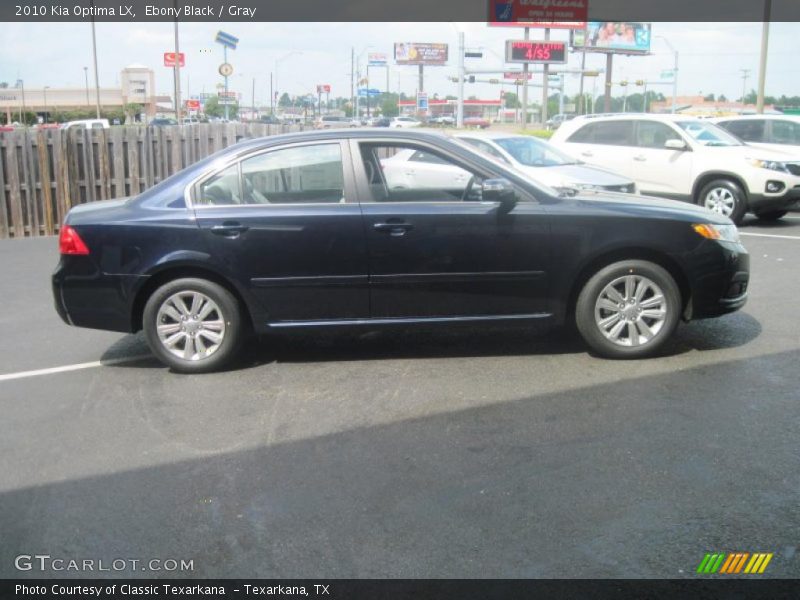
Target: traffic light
<point>494,81</point>
<point>640,82</point>
<point>623,83</point>
<point>471,79</point>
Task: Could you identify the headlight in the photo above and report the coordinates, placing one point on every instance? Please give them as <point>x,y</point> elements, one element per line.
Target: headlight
<point>772,165</point>
<point>723,233</point>
<point>583,186</point>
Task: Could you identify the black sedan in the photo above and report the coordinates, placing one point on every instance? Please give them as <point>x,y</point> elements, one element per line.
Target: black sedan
<point>308,230</point>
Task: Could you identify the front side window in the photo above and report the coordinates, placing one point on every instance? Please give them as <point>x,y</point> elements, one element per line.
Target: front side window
<point>749,130</point>
<point>785,132</point>
<point>652,134</point>
<point>534,153</point>
<point>400,173</point>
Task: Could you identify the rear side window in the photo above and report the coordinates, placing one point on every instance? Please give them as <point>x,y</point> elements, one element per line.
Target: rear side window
<point>785,132</point>
<point>613,133</point>
<point>749,130</point>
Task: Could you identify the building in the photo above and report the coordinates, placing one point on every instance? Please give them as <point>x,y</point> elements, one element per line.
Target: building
<point>484,109</point>
<point>137,85</point>
<point>699,106</point>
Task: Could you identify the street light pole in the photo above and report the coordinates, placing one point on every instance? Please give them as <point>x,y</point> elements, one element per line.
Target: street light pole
<point>674,74</point>
<point>177,76</point>
<point>47,87</point>
<point>86,78</point>
<point>762,65</point>
<point>96,74</point>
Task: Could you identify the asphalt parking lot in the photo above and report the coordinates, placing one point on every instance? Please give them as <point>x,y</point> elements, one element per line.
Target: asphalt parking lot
<point>390,454</point>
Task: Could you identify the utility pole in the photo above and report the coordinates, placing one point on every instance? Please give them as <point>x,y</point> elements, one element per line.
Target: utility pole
<point>545,82</point>
<point>96,75</point>
<point>253,100</point>
<point>762,65</point>
<point>271,96</point>
<point>86,78</point>
<point>581,99</point>
<point>177,74</point>
<point>607,98</point>
<point>461,76</point>
<point>352,76</point>
<point>744,83</point>
<point>525,68</point>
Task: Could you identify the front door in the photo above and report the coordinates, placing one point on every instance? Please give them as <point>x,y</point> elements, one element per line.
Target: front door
<point>436,249</point>
<point>285,224</point>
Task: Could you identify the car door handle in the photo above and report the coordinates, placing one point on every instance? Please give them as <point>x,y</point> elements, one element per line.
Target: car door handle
<point>587,153</point>
<point>231,229</point>
<point>394,229</point>
<point>640,158</point>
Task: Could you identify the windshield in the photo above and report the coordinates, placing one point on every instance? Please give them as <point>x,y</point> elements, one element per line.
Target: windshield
<point>708,134</point>
<point>534,153</point>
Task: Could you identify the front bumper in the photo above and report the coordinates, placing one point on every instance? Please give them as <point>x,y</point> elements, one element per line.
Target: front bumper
<point>720,280</point>
<point>767,202</point>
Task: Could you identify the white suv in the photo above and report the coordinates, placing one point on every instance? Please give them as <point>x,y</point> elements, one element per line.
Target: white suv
<point>689,159</point>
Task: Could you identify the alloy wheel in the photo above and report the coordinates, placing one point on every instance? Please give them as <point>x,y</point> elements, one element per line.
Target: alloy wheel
<point>720,200</point>
<point>190,325</point>
<point>630,310</point>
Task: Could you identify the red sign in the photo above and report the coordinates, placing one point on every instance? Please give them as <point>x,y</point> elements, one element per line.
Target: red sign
<point>519,75</point>
<point>541,52</point>
<point>570,14</point>
<point>169,59</point>
<point>193,104</point>
<point>323,88</point>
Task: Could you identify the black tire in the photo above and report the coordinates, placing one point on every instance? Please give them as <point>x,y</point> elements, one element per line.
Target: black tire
<point>723,186</point>
<point>228,312</point>
<point>585,310</point>
<point>771,215</point>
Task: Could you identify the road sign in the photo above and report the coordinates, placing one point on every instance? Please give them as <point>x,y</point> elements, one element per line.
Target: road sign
<point>227,40</point>
<point>323,88</point>
<point>517,75</point>
<point>422,101</point>
<point>363,92</point>
<point>670,74</point>
<point>473,54</point>
<point>226,69</point>
<point>377,59</point>
<point>169,59</point>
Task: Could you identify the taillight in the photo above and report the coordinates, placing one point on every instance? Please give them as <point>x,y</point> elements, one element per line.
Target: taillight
<point>69,242</point>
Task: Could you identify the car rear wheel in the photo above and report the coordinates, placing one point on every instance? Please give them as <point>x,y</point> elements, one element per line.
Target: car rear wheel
<point>628,309</point>
<point>724,197</point>
<point>771,215</point>
<point>193,325</point>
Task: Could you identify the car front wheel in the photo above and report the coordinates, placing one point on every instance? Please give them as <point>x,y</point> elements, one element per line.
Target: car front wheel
<point>628,309</point>
<point>193,325</point>
<point>724,197</point>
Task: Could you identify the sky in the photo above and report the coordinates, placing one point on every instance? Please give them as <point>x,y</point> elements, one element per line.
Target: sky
<point>302,55</point>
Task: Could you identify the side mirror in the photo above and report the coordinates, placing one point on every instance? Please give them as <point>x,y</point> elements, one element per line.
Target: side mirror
<point>674,144</point>
<point>499,190</point>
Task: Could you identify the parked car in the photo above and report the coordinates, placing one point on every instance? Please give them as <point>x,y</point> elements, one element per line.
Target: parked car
<point>442,120</point>
<point>686,158</point>
<point>300,231</point>
<point>330,122</point>
<point>270,120</point>
<point>87,123</point>
<point>477,122</point>
<point>774,132</point>
<point>163,122</point>
<point>546,163</point>
<point>556,121</point>
<point>404,122</point>
<point>381,122</point>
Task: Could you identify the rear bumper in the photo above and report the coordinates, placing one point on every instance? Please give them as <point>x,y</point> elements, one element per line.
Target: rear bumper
<point>86,297</point>
<point>720,282</point>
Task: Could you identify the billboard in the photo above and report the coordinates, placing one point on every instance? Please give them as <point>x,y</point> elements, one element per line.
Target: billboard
<point>524,13</point>
<point>323,88</point>
<point>377,59</point>
<point>413,53</point>
<point>623,37</point>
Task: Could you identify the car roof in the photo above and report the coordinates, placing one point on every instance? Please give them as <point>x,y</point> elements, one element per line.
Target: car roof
<point>492,135</point>
<point>770,117</point>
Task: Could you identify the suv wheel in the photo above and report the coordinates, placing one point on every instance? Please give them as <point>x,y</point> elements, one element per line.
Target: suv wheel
<point>193,325</point>
<point>725,197</point>
<point>628,309</point>
<point>771,215</point>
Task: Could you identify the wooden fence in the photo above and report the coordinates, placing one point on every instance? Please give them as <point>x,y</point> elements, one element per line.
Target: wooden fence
<point>44,172</point>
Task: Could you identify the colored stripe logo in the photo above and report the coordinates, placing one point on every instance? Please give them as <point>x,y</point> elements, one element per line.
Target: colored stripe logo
<point>734,563</point>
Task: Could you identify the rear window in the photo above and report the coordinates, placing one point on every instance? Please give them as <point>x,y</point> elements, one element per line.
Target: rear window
<point>749,130</point>
<point>614,133</point>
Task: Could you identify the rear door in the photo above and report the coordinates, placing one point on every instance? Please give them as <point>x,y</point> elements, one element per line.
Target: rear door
<point>285,223</point>
<point>606,143</point>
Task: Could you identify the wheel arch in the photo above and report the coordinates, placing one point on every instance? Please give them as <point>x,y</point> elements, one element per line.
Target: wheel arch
<point>710,176</point>
<point>604,259</point>
<point>171,272</point>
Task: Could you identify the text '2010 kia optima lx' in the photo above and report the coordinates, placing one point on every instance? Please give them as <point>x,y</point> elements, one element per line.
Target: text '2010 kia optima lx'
<point>302,230</point>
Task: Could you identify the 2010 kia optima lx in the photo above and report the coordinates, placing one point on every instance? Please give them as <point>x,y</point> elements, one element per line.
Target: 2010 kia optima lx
<point>303,230</point>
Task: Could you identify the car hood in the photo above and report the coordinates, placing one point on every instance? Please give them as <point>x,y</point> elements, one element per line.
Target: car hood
<point>756,151</point>
<point>575,174</point>
<point>651,206</point>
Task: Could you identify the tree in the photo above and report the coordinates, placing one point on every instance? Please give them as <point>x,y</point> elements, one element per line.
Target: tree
<point>285,100</point>
<point>709,97</point>
<point>213,108</point>
<point>131,110</point>
<point>512,100</point>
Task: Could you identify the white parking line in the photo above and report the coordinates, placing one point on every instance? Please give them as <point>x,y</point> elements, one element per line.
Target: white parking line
<point>67,368</point>
<point>771,235</point>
